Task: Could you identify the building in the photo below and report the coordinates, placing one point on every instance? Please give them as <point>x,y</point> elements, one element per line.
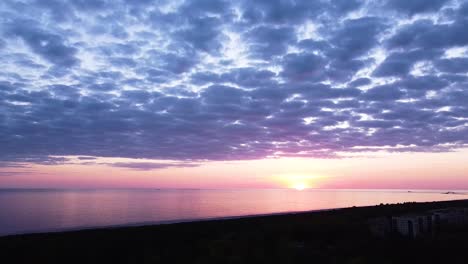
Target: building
<point>381,227</point>
<point>450,216</point>
<point>413,225</point>
<point>417,225</point>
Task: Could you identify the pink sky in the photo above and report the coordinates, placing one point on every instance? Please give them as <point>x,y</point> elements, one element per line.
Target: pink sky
<point>447,170</point>
<point>235,80</point>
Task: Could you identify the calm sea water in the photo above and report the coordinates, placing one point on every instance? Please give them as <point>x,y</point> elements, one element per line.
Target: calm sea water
<point>24,211</point>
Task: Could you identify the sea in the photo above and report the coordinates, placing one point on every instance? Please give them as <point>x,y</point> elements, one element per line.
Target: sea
<point>49,210</point>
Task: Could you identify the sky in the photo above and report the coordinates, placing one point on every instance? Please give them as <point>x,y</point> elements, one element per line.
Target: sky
<point>234,94</point>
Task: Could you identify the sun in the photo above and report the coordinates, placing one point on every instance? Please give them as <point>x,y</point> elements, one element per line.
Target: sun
<point>299,186</point>
<point>297,181</point>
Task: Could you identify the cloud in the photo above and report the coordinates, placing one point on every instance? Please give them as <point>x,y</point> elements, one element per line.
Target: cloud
<point>279,12</point>
<point>192,81</point>
<point>416,6</point>
<point>267,42</point>
<point>18,173</point>
<point>454,65</point>
<point>303,66</point>
<point>401,63</point>
<point>355,37</point>
<point>144,166</point>
<point>86,158</point>
<point>425,34</point>
<point>50,46</point>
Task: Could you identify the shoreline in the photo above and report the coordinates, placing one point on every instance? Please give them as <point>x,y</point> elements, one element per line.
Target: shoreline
<point>201,220</point>
<point>166,222</point>
<point>325,236</point>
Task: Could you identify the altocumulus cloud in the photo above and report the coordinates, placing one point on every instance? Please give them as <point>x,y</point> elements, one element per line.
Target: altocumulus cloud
<point>230,80</point>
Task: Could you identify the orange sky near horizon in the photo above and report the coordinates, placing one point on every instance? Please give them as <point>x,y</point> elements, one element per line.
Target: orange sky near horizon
<point>447,170</point>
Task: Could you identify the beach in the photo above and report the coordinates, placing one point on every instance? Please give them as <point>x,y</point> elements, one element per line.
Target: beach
<point>25,211</point>
<point>330,236</point>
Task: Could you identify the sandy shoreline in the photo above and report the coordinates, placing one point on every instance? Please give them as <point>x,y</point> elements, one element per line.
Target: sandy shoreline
<point>326,236</point>
<point>190,220</point>
<point>158,223</point>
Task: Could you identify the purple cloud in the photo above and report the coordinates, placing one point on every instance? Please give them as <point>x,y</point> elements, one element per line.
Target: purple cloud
<point>229,80</point>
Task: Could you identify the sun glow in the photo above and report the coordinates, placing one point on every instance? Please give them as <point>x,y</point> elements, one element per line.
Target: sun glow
<point>300,186</point>
<point>298,181</point>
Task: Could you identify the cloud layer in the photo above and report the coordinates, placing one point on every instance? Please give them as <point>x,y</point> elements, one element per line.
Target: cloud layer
<point>230,80</point>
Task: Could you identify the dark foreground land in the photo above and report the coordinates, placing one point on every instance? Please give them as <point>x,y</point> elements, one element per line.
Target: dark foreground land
<point>339,236</point>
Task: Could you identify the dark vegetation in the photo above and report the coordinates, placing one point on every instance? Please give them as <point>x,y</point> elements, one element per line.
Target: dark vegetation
<point>338,236</point>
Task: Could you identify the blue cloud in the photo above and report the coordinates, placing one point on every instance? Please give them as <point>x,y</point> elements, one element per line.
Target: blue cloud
<point>416,6</point>
<point>225,80</point>
<point>50,46</point>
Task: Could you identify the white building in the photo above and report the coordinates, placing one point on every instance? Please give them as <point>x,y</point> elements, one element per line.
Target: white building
<point>412,225</point>
<point>415,225</point>
<point>451,216</point>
